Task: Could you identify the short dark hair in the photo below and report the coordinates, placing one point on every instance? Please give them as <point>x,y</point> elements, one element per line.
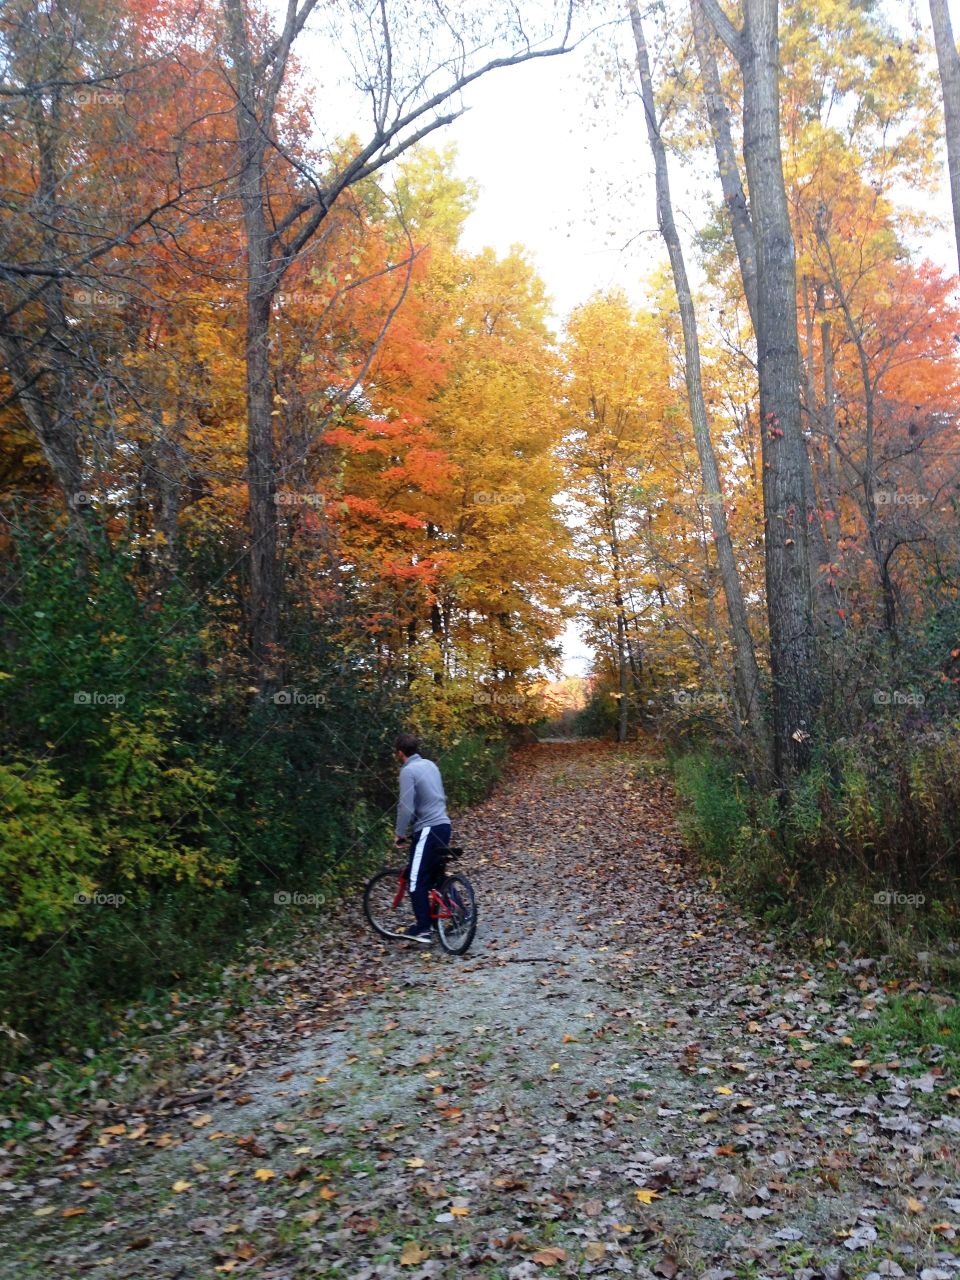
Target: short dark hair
<point>408,744</point>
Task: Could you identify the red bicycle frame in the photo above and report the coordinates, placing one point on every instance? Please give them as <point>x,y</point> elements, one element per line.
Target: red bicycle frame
<point>438,908</point>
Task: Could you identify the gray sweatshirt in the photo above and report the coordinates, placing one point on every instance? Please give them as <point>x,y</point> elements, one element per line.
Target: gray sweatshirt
<point>422,801</point>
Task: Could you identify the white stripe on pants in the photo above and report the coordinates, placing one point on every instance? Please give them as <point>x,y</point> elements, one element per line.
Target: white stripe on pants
<point>418,856</point>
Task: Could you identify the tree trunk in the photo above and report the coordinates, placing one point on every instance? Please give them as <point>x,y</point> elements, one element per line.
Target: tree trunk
<point>261,489</point>
<point>789,589</point>
<point>436,631</point>
<point>831,522</point>
<point>744,241</point>
<point>728,167</point>
<point>622,665</point>
<point>261,282</point>
<point>949,63</point>
<point>745,660</point>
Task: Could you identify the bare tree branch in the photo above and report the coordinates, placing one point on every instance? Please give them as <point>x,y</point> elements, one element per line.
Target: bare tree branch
<point>725,29</point>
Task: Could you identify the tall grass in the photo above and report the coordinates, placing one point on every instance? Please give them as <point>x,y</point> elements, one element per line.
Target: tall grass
<point>865,852</point>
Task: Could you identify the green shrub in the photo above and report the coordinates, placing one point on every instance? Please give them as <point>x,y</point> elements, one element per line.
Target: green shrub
<point>861,852</point>
<point>470,766</point>
<point>49,852</point>
<point>140,762</point>
<point>716,812</point>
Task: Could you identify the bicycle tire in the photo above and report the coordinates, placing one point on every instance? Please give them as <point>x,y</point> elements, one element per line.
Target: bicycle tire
<point>457,933</point>
<point>379,898</point>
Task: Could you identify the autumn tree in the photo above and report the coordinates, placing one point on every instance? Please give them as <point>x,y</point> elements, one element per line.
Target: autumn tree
<point>447,470</point>
<point>619,402</point>
<point>90,198</point>
<point>412,71</point>
<point>745,661</point>
<point>949,63</point>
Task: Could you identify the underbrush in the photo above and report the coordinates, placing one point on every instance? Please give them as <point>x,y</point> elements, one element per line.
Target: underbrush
<point>156,806</point>
<point>865,853</point>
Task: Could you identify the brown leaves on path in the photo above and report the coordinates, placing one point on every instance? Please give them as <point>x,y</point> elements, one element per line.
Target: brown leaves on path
<point>622,1077</point>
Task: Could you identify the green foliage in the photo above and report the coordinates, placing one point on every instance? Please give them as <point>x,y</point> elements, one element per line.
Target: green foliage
<point>155,805</point>
<point>716,813</point>
<point>861,851</point>
<point>48,852</point>
<point>470,766</point>
<point>598,719</point>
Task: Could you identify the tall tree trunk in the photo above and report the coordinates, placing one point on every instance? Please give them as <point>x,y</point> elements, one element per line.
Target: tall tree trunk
<point>788,583</point>
<point>436,631</point>
<point>738,209</point>
<point>623,659</point>
<point>728,167</point>
<point>253,114</point>
<point>261,490</point>
<point>745,660</point>
<point>623,669</point>
<point>949,63</point>
<point>831,521</point>
<point>869,476</point>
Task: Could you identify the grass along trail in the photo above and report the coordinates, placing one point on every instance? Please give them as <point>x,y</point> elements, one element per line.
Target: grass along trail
<point>622,1077</point>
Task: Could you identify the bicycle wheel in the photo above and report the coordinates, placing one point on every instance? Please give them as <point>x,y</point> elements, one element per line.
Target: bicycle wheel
<point>457,924</point>
<point>385,902</point>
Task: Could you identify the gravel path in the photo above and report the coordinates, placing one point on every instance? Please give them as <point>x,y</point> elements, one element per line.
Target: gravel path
<point>623,1077</point>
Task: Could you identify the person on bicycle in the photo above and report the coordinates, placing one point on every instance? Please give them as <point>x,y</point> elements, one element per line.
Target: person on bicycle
<point>422,810</point>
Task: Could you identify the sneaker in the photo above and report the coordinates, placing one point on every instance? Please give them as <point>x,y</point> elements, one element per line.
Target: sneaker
<point>413,933</point>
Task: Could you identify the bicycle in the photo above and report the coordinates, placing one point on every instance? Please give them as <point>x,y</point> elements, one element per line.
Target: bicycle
<point>453,904</point>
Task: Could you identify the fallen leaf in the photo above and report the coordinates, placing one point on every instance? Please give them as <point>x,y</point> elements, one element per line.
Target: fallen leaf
<point>549,1257</point>
<point>412,1254</point>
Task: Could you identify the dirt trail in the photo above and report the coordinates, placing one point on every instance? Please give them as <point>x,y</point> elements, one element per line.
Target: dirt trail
<point>622,1077</point>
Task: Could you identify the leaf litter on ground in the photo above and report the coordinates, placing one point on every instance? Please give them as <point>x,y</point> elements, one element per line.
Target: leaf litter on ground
<point>624,1076</point>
